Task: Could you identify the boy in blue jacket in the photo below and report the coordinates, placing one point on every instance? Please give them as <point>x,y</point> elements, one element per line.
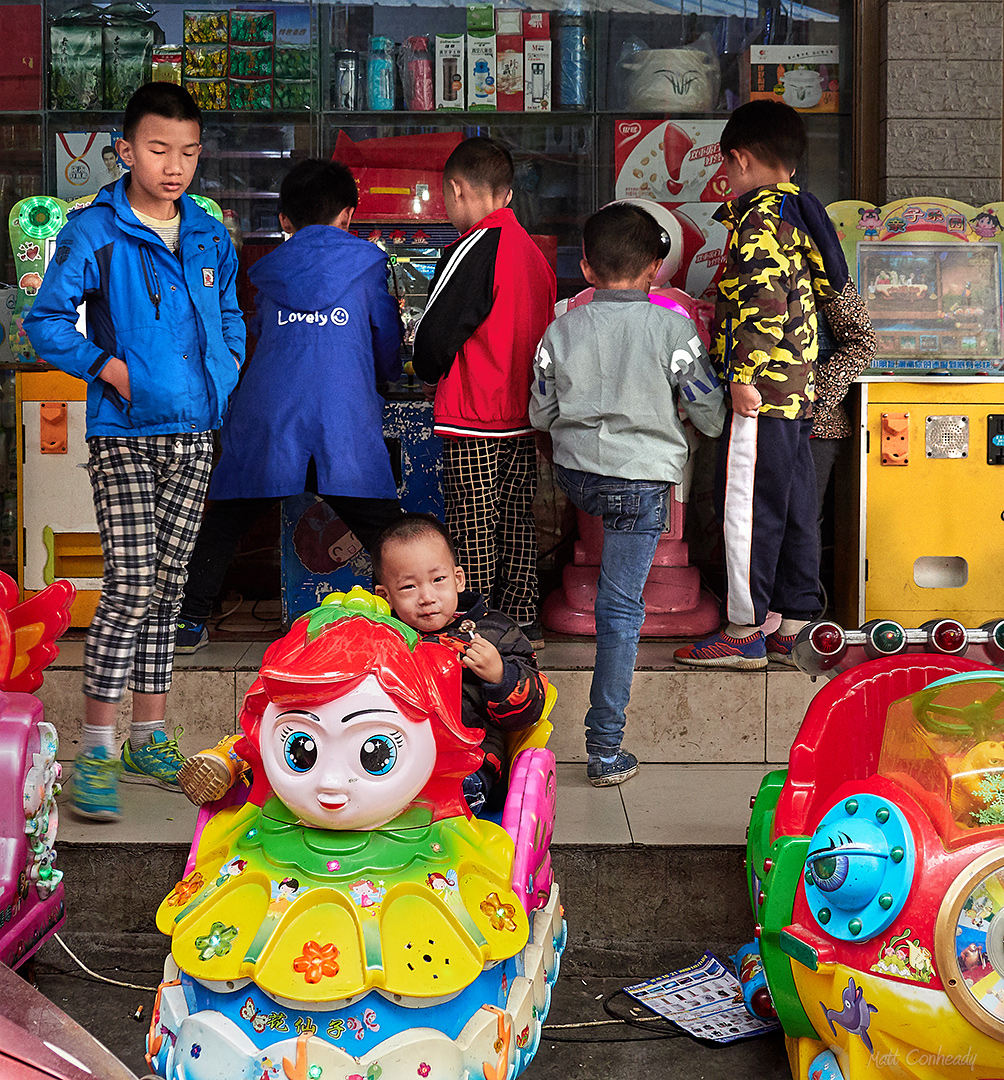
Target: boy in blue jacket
<point>307,415</point>
<point>164,347</point>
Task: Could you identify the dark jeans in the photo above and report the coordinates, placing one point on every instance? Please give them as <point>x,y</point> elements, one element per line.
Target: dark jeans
<point>228,520</point>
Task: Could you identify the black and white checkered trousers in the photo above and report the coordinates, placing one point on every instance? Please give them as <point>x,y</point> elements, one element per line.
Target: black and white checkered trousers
<point>489,485</point>
<point>149,494</point>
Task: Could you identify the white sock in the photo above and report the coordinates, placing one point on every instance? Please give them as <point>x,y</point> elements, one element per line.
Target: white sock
<point>741,631</point>
<point>140,732</point>
<point>789,627</point>
<point>98,735</point>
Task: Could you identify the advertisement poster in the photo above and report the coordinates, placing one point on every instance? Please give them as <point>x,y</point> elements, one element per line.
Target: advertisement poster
<point>85,162</point>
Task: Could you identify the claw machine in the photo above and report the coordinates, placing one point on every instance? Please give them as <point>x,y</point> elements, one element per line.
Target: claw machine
<point>929,482</point>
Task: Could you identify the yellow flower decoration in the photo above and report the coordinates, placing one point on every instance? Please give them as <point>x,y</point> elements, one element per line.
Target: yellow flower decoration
<point>500,915</point>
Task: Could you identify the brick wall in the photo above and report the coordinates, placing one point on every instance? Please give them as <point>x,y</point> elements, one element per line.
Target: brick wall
<point>941,99</point>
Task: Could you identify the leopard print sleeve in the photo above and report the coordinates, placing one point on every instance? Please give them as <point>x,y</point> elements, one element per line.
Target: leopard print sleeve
<point>852,330</point>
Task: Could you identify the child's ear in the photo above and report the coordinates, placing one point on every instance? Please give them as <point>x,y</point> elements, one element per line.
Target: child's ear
<point>587,273</point>
<point>124,151</point>
<point>344,219</point>
<point>382,593</point>
<point>285,224</point>
<point>461,578</point>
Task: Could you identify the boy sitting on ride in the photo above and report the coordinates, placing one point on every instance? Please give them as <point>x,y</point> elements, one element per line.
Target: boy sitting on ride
<point>415,563</point>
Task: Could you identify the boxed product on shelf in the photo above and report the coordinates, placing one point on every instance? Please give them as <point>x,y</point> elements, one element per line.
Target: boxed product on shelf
<point>166,64</point>
<point>806,77</point>
<point>208,93</point>
<point>509,60</point>
<point>254,27</point>
<point>481,70</point>
<point>292,94</point>
<point>76,80</point>
<point>206,61</point>
<point>450,71</point>
<point>128,42</point>
<point>480,17</point>
<point>669,161</point>
<point>21,59</point>
<point>251,61</point>
<point>292,61</point>
<point>206,27</point>
<point>536,61</point>
<point>250,94</point>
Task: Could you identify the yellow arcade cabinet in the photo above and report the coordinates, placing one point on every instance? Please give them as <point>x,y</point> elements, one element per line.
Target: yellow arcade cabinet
<point>929,476</point>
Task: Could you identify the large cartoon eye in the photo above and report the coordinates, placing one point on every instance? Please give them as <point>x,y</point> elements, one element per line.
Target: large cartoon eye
<point>378,754</point>
<point>829,872</point>
<point>300,751</point>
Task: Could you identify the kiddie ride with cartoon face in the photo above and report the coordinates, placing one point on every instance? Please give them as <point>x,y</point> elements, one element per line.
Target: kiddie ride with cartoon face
<point>876,861</point>
<point>346,918</point>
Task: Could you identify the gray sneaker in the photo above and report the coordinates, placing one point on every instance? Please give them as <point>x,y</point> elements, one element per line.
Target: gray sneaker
<point>190,636</point>
<point>604,774</point>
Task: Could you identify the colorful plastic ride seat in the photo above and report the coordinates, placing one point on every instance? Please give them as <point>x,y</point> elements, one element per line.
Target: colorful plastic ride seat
<point>346,918</point>
<point>31,889</point>
<point>876,874</point>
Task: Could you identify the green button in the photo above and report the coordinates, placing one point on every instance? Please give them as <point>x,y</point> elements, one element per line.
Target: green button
<point>896,854</point>
<point>851,806</point>
<point>885,901</point>
<point>824,915</point>
<point>882,815</point>
<point>854,926</point>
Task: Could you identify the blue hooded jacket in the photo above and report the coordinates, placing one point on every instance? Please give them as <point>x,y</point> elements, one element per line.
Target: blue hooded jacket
<point>328,332</point>
<point>173,320</point>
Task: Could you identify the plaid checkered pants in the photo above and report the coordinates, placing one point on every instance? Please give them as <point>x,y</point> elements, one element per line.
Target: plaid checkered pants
<point>149,494</point>
<point>489,485</point>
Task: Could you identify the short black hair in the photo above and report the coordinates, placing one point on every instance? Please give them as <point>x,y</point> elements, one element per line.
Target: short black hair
<point>165,99</point>
<point>620,241</point>
<point>483,163</point>
<point>771,131</point>
<point>109,150</point>
<point>315,192</point>
<point>409,527</point>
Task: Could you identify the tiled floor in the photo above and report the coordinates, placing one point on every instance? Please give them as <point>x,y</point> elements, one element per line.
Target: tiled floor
<point>663,804</point>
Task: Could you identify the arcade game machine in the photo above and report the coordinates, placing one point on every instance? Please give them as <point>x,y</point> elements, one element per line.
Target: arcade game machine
<point>401,210</point>
<point>929,499</point>
<point>57,533</point>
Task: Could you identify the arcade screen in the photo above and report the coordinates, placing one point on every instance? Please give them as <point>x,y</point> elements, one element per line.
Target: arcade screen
<point>935,307</point>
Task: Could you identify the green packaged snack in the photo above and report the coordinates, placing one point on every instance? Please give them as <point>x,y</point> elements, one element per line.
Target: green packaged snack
<point>292,94</point>
<point>208,93</point>
<point>205,27</point>
<point>77,74</point>
<point>128,60</point>
<point>252,27</point>
<point>253,94</point>
<point>292,61</point>
<point>251,61</point>
<point>206,61</point>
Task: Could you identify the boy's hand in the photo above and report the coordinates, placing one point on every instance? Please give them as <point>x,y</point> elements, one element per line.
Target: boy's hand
<point>484,660</point>
<point>745,399</point>
<point>116,374</point>
<point>429,390</point>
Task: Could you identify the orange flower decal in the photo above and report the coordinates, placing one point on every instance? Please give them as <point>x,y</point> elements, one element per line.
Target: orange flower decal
<point>499,915</point>
<point>185,890</point>
<point>317,961</point>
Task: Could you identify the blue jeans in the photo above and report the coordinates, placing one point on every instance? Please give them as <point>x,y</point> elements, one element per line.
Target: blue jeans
<point>634,515</point>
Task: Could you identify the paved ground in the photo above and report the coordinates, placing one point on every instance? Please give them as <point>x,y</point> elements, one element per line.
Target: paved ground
<point>630,1054</point>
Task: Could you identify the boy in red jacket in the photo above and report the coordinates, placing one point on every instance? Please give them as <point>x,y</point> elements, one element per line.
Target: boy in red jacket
<point>491,299</point>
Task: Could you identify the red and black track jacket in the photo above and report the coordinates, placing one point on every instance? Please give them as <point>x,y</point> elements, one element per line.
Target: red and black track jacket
<point>491,299</point>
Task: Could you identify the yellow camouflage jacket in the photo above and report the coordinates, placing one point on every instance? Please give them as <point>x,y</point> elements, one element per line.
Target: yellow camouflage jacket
<point>765,316</point>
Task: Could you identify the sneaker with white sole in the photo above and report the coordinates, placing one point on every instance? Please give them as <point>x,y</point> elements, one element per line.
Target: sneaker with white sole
<point>156,763</point>
<point>779,648</point>
<point>721,651</point>
<point>602,773</point>
<point>95,785</point>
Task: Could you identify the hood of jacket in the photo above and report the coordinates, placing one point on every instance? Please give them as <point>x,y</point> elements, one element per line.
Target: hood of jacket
<point>315,268</point>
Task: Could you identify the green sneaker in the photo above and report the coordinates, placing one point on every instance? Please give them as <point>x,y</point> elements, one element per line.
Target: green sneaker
<point>95,785</point>
<point>156,763</point>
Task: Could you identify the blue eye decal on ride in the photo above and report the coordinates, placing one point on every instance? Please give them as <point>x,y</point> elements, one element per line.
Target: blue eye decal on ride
<point>378,755</point>
<point>829,871</point>
<point>300,751</point>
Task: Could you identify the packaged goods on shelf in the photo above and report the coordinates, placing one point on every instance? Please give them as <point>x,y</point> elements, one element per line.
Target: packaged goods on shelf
<point>292,61</point>
<point>250,61</point>
<point>206,27</point>
<point>481,17</point>
<point>252,27</point>
<point>416,75</point>
<point>450,71</point>
<point>806,77</point>
<point>250,94</point>
<point>166,66</point>
<point>380,83</point>
<point>128,39</point>
<point>509,61</point>
<point>21,60</point>
<point>481,69</point>
<point>292,94</point>
<point>536,61</point>
<point>77,77</point>
<point>206,61</point>
<point>574,60</point>
<point>208,93</point>
<point>671,161</point>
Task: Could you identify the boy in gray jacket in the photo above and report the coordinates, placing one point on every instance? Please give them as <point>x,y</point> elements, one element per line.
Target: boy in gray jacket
<point>610,378</point>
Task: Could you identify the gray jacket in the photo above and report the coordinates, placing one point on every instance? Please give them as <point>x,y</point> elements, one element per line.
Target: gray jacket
<point>609,379</point>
